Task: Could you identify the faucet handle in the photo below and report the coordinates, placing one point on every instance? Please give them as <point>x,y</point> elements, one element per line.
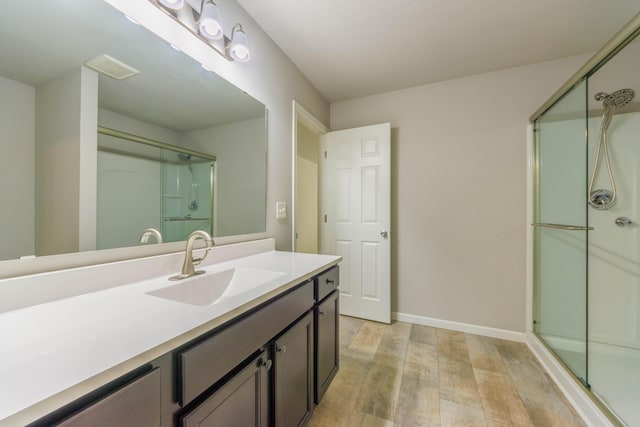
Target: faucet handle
<point>198,260</point>
<point>209,243</point>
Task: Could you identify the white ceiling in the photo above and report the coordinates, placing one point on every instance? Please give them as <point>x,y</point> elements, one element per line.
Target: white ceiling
<point>354,48</point>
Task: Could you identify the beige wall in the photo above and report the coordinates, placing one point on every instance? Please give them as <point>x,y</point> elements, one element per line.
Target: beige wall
<point>17,117</point>
<point>240,197</point>
<point>66,118</point>
<point>270,77</point>
<point>459,190</point>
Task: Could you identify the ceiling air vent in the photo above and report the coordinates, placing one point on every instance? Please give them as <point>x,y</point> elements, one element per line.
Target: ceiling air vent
<point>111,67</point>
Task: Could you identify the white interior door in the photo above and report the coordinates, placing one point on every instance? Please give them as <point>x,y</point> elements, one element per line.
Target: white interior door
<point>355,217</point>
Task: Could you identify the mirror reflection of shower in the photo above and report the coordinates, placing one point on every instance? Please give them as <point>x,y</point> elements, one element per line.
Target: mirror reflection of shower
<point>192,202</point>
<point>606,198</point>
<point>145,184</point>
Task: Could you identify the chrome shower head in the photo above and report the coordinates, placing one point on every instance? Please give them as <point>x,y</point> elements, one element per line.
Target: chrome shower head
<point>617,99</point>
<point>184,157</point>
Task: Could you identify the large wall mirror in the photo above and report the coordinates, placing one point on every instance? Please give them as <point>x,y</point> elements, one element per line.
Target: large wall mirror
<point>90,161</point>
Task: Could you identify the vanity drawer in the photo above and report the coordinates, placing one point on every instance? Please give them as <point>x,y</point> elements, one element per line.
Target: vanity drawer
<point>206,362</point>
<point>136,404</point>
<point>327,282</point>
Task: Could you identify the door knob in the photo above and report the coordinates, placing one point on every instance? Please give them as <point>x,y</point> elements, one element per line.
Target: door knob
<point>384,233</point>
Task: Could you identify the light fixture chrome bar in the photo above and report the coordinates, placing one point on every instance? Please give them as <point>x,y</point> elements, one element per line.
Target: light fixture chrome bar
<point>562,226</point>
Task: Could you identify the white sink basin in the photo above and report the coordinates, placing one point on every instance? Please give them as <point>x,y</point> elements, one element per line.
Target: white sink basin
<point>207,288</point>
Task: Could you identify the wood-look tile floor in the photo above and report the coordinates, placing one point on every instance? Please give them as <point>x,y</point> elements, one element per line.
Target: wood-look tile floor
<point>411,375</point>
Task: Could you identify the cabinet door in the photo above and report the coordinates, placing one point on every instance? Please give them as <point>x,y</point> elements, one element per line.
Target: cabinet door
<point>293,376</point>
<point>327,344</point>
<point>241,401</point>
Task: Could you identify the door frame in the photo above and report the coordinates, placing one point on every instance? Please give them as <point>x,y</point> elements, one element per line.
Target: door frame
<point>300,115</point>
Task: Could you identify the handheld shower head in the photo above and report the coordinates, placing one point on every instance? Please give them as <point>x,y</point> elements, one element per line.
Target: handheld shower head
<point>604,199</point>
<point>617,99</point>
<point>184,157</point>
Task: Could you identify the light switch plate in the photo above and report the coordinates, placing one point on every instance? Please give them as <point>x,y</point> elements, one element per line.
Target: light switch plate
<point>281,210</point>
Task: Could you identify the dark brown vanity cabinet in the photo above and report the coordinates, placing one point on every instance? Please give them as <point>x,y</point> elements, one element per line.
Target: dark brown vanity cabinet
<point>326,331</point>
<point>293,374</point>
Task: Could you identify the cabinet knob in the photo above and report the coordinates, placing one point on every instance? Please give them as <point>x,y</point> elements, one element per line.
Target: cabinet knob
<point>281,349</point>
<point>322,313</point>
<point>330,282</point>
<point>266,364</point>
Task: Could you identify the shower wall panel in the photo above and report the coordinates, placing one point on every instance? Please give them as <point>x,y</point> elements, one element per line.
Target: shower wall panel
<point>614,252</point>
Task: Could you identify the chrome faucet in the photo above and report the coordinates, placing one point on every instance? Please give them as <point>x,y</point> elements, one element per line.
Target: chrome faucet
<point>188,269</point>
<point>144,237</point>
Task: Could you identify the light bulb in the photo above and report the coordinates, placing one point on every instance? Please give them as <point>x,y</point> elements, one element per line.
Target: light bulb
<point>239,49</point>
<point>210,23</point>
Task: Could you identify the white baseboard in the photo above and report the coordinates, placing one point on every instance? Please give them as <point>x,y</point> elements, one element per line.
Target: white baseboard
<point>574,392</point>
<point>486,331</point>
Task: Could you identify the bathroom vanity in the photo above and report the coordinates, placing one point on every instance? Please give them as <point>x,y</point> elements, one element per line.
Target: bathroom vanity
<point>262,353</point>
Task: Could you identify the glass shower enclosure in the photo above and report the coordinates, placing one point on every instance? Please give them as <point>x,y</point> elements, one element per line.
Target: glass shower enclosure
<point>586,225</point>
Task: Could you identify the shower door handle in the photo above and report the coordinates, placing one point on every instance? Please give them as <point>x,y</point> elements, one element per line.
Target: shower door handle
<point>562,226</point>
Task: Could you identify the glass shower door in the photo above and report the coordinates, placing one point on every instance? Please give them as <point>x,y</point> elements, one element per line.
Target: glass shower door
<point>561,230</point>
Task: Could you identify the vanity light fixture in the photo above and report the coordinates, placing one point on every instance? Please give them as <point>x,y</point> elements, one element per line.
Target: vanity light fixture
<point>202,18</point>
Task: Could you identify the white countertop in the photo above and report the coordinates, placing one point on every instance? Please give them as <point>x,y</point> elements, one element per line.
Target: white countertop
<point>52,347</point>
